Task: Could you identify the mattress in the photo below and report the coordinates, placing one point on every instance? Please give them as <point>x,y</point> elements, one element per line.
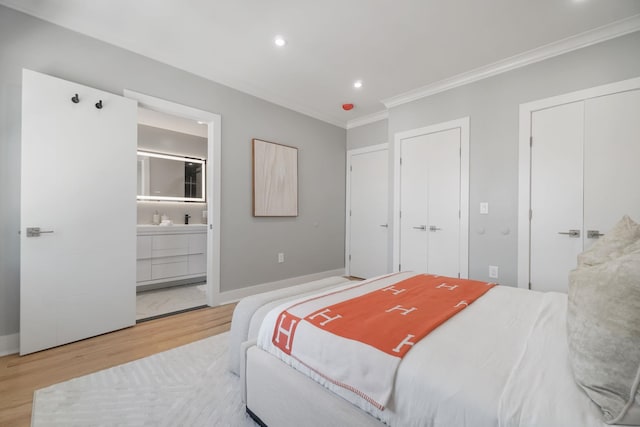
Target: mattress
<point>500,362</point>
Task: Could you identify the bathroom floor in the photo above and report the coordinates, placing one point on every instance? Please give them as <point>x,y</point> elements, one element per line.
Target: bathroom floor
<point>168,300</point>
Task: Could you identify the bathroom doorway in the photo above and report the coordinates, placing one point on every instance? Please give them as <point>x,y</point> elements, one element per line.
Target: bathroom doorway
<point>177,208</point>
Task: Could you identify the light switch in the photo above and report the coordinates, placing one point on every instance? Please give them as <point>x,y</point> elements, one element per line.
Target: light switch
<point>484,208</point>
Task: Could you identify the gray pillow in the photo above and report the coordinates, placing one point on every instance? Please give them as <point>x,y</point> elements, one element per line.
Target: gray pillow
<point>610,246</point>
<point>603,326</point>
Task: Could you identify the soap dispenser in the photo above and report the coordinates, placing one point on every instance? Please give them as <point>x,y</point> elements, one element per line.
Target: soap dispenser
<point>156,218</point>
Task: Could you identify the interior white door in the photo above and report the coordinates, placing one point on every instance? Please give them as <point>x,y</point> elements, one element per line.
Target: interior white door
<point>611,153</point>
<point>444,204</point>
<point>430,203</point>
<point>369,183</point>
<point>414,204</point>
<point>556,195</point>
<point>78,277</point>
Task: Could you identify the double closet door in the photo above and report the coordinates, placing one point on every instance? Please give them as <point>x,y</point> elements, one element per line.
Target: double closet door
<point>430,181</point>
<point>584,177</point>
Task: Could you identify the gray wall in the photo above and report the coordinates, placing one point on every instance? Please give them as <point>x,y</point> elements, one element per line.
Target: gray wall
<point>493,107</point>
<point>371,134</point>
<point>312,242</point>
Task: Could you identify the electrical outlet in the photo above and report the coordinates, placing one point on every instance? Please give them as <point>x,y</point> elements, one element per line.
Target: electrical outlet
<point>280,257</point>
<point>493,271</point>
<point>484,208</point>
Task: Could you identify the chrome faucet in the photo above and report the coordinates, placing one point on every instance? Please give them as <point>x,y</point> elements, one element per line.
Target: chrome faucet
<point>186,218</point>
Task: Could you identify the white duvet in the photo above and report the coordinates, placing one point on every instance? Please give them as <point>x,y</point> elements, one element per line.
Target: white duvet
<point>500,362</point>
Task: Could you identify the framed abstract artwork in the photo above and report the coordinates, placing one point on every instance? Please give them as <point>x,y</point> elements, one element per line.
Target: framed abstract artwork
<point>275,179</point>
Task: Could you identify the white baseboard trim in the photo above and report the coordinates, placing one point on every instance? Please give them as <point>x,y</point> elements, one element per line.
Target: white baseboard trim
<point>237,294</point>
<point>9,344</point>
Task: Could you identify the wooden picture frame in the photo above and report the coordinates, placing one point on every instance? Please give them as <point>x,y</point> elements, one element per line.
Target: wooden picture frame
<point>275,179</point>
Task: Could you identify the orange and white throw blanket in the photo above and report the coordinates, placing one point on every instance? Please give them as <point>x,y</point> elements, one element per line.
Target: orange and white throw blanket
<point>356,336</point>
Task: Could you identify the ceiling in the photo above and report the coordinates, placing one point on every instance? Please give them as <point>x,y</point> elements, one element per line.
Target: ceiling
<point>394,47</point>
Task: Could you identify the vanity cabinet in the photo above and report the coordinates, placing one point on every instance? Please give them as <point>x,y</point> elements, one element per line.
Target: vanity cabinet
<point>171,254</point>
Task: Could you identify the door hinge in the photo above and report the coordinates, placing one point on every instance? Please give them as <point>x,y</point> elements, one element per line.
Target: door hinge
<point>399,267</point>
<point>531,141</point>
<point>400,214</point>
<point>530,214</point>
<point>350,168</point>
<point>458,275</point>
<point>349,212</point>
<point>349,257</point>
<point>400,161</point>
<point>529,285</point>
<point>459,214</point>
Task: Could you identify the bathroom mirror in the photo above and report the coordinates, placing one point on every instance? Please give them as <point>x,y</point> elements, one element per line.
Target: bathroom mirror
<point>170,178</point>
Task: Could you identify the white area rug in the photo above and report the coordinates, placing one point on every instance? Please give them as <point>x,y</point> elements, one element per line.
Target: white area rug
<point>185,386</point>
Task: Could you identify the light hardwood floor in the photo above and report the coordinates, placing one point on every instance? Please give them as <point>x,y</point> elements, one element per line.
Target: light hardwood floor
<point>21,376</point>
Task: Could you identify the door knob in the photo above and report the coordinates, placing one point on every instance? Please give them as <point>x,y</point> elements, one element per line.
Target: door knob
<point>434,228</point>
<point>594,234</point>
<point>36,232</point>
<point>571,233</point>
<point>384,225</point>
<point>422,227</point>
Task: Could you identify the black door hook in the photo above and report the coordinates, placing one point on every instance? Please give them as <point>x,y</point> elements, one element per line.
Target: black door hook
<point>75,99</point>
<point>99,105</point>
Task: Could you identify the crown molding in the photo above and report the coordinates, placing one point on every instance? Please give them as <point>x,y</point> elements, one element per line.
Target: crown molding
<point>369,118</point>
<point>587,38</point>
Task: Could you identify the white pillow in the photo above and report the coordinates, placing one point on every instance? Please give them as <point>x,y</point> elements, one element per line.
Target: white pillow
<point>611,245</point>
<point>603,332</point>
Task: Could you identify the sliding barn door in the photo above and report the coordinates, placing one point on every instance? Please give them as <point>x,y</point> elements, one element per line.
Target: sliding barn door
<point>78,212</point>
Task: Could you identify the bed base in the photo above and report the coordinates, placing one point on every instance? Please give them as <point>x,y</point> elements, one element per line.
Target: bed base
<point>278,395</point>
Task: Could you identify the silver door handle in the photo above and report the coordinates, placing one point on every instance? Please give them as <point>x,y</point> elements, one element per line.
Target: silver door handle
<point>594,234</point>
<point>422,227</point>
<point>384,225</point>
<point>571,233</point>
<point>434,228</point>
<point>36,232</point>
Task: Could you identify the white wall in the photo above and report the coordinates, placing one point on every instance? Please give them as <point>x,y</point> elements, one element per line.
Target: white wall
<point>493,105</point>
<point>313,242</point>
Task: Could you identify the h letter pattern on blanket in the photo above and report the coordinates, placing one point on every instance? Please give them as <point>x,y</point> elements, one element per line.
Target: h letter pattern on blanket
<point>370,321</point>
<point>383,318</point>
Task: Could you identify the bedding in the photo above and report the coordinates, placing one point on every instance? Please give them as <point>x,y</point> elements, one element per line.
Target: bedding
<point>503,361</point>
<point>248,314</point>
<point>369,327</point>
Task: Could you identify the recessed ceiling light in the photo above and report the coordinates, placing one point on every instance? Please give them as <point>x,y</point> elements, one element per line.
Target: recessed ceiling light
<point>280,41</point>
<point>357,84</point>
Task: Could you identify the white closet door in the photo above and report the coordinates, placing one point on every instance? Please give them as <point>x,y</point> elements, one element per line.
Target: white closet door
<point>78,278</point>
<point>369,182</point>
<point>444,204</point>
<point>556,195</point>
<point>612,154</point>
<point>430,203</point>
<point>414,203</point>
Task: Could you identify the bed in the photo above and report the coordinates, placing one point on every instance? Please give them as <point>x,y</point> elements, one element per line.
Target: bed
<point>502,361</point>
